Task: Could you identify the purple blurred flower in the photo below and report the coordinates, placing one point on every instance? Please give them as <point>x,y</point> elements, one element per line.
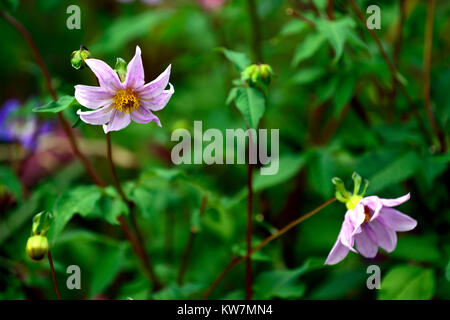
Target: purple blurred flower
<point>370,224</point>
<point>211,5</point>
<point>26,131</point>
<point>116,103</point>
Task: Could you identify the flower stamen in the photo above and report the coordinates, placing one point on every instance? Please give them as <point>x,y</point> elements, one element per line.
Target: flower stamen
<point>126,101</point>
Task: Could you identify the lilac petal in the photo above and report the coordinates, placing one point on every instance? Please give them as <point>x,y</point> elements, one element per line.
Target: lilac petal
<point>366,247</point>
<point>8,107</point>
<point>156,87</point>
<point>160,101</point>
<point>384,237</point>
<point>97,117</point>
<point>118,121</point>
<point>396,220</point>
<point>395,202</point>
<point>142,115</point>
<point>107,77</point>
<point>346,233</point>
<point>93,97</point>
<point>135,71</point>
<point>374,204</point>
<point>337,253</point>
<point>357,217</point>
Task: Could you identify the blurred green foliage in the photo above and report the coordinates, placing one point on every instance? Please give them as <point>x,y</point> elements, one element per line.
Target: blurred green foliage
<point>338,110</point>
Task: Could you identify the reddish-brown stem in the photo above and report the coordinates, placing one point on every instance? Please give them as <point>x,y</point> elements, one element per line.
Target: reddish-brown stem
<point>248,265</point>
<point>292,12</point>
<point>137,245</point>
<point>187,250</point>
<point>256,31</point>
<point>236,260</point>
<point>330,9</point>
<point>428,47</point>
<point>50,261</point>
<point>394,75</point>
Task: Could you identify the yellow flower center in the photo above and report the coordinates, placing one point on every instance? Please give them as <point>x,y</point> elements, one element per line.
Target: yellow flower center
<point>352,202</point>
<point>126,101</point>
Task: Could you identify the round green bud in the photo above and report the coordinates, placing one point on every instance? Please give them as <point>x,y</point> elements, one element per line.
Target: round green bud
<point>37,247</point>
<point>77,58</point>
<point>266,73</point>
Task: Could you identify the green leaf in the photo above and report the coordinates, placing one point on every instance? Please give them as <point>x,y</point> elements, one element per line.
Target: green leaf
<point>307,48</point>
<point>128,28</point>
<point>398,170</point>
<point>408,282</point>
<point>343,93</point>
<point>447,271</point>
<point>251,102</point>
<point>108,265</point>
<point>293,27</point>
<point>288,167</point>
<point>284,283</point>
<point>415,248</point>
<point>336,32</point>
<point>307,75</point>
<point>81,200</point>
<point>56,106</point>
<point>9,180</point>
<point>239,59</point>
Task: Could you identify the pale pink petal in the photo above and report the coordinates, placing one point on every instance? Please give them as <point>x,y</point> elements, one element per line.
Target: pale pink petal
<point>346,233</point>
<point>142,115</point>
<point>337,253</point>
<point>160,101</point>
<point>154,88</point>
<point>384,237</point>
<point>97,117</point>
<point>374,204</point>
<point>356,217</point>
<point>107,77</point>
<point>395,202</point>
<point>118,121</point>
<point>365,245</point>
<point>135,71</point>
<point>396,220</point>
<point>93,97</point>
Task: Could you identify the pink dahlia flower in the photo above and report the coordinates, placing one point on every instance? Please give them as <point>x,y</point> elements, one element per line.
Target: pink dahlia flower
<point>372,223</point>
<point>116,103</point>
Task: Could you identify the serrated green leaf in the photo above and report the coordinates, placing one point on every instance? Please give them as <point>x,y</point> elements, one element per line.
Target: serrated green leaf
<point>307,48</point>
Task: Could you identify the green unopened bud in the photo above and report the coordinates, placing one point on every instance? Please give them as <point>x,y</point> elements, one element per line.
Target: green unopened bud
<point>37,247</point>
<point>121,69</point>
<point>266,73</point>
<point>78,57</point>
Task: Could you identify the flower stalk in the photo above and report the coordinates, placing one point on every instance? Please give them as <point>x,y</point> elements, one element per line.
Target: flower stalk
<point>55,285</point>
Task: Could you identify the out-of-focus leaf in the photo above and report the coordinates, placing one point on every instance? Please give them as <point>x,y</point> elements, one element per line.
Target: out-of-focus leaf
<point>307,75</point>
<point>408,282</point>
<point>336,33</point>
<point>293,27</point>
<point>288,166</point>
<point>108,265</point>
<point>56,106</point>
<point>239,59</point>
<point>307,47</point>
<point>284,283</point>
<point>400,169</point>
<point>126,29</point>
<point>344,93</point>
<point>9,180</point>
<point>251,102</point>
<point>416,248</point>
<point>447,271</point>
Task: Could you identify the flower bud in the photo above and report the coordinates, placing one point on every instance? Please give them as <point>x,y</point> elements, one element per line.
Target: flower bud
<point>257,74</point>
<point>121,69</point>
<point>78,57</point>
<point>37,247</point>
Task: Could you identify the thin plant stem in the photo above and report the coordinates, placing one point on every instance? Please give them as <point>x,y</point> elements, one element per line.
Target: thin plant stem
<point>190,242</point>
<point>435,130</point>
<point>55,286</point>
<point>248,262</point>
<point>236,260</point>
<point>256,31</point>
<point>65,125</point>
<point>137,244</point>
